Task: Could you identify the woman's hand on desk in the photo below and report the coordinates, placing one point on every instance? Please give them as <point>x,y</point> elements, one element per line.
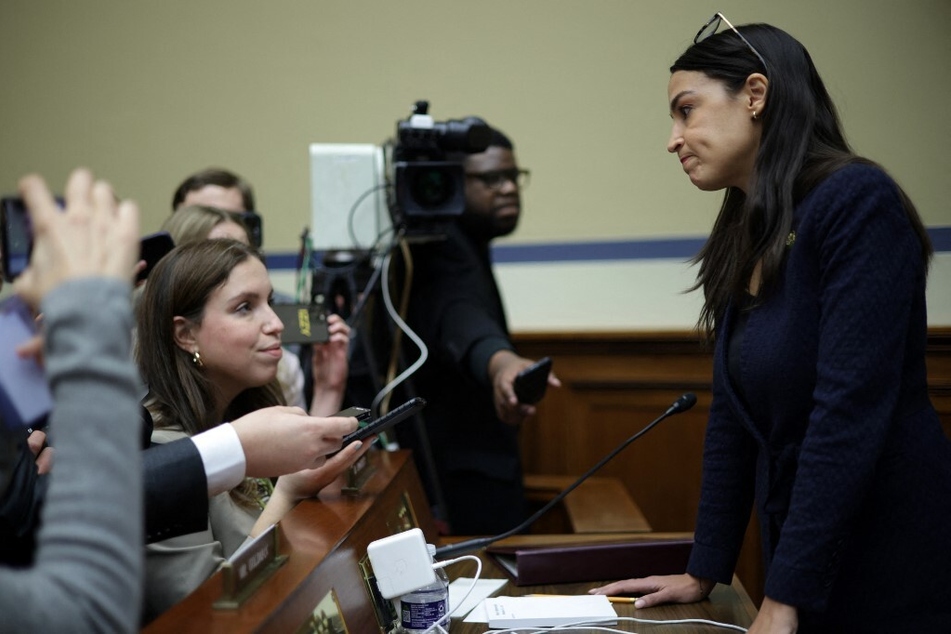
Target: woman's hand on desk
<point>775,618</point>
<point>656,590</point>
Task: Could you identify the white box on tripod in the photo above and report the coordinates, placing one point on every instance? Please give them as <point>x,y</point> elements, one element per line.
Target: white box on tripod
<point>348,197</point>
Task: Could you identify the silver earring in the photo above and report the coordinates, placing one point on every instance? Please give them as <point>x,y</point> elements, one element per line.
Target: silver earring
<point>196,359</point>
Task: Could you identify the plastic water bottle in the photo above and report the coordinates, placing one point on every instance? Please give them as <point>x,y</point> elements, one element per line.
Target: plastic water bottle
<point>420,609</point>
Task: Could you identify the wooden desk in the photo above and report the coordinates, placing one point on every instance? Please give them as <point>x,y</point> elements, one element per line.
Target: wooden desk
<point>726,604</point>
<point>326,542</point>
<point>598,505</point>
<point>321,586</point>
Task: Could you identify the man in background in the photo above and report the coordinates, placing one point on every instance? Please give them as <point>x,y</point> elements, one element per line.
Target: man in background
<point>472,417</point>
<point>216,187</point>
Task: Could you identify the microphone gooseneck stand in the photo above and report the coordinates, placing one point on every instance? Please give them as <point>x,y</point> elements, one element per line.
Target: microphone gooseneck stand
<point>682,404</point>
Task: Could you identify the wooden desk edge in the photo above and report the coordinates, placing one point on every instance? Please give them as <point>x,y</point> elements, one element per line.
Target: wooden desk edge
<point>734,595</point>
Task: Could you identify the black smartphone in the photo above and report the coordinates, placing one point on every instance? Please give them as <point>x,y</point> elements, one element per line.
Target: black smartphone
<point>303,323</point>
<point>252,222</point>
<point>360,413</point>
<point>386,421</point>
<point>153,248</point>
<point>532,382</point>
<point>16,240</point>
<point>16,236</point>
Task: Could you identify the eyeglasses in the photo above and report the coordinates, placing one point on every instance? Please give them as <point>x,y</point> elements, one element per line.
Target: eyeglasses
<point>713,25</point>
<point>495,179</point>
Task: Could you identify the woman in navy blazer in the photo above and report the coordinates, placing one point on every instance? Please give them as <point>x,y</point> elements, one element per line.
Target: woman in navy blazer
<point>814,294</point>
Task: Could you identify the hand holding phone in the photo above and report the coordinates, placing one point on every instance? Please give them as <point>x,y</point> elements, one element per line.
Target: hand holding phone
<point>16,240</point>
<point>152,249</point>
<point>384,422</point>
<point>16,236</point>
<point>532,382</point>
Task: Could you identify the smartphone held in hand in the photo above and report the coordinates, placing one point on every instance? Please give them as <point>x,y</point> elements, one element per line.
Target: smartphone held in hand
<point>532,382</point>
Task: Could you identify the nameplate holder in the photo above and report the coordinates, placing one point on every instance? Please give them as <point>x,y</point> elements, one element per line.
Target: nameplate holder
<point>249,568</point>
<point>357,476</point>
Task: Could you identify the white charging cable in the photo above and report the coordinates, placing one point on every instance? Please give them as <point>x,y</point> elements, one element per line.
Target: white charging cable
<point>437,626</point>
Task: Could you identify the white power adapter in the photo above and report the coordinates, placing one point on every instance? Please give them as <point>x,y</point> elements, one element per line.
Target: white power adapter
<point>401,563</point>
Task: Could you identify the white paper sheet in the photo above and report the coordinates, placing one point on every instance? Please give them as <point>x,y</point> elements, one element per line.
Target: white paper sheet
<point>483,588</point>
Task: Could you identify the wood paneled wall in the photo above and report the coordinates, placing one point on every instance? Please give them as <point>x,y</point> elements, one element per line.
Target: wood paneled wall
<point>613,384</point>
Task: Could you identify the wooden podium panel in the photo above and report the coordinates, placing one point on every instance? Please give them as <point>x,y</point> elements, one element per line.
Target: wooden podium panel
<point>325,540</point>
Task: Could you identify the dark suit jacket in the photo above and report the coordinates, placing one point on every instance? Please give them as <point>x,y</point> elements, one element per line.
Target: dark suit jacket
<point>176,497</point>
<point>176,490</point>
<point>834,437</point>
<point>20,508</point>
<point>176,487</point>
<point>456,310</point>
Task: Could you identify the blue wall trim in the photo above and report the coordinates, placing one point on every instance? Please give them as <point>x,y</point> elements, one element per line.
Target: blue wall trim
<point>678,249</point>
<point>552,252</point>
<point>940,239</point>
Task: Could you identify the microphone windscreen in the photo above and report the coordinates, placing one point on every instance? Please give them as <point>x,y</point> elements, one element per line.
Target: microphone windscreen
<point>685,402</point>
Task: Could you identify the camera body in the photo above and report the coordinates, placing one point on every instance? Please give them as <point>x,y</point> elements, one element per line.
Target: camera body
<point>252,222</point>
<point>429,179</point>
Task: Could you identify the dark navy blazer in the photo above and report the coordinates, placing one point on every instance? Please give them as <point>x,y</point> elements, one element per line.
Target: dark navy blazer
<point>836,442</point>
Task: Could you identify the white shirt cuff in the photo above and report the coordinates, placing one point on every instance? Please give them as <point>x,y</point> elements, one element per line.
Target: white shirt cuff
<point>223,456</point>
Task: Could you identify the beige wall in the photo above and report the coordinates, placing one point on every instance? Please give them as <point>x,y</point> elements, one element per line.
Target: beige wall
<point>147,92</point>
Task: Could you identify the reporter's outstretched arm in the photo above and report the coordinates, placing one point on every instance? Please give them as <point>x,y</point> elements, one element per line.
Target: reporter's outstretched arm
<point>87,571</point>
<point>504,366</point>
<point>176,490</point>
<point>268,443</point>
<point>279,440</point>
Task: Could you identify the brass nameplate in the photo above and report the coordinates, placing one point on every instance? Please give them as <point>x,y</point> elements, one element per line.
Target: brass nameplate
<point>386,616</point>
<point>357,475</point>
<point>403,517</point>
<point>326,617</point>
<point>249,568</point>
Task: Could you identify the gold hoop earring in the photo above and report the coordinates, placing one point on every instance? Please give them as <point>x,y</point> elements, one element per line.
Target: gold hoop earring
<point>196,359</point>
<point>754,115</point>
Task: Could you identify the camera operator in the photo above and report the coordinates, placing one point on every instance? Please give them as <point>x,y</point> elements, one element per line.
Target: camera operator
<point>473,416</point>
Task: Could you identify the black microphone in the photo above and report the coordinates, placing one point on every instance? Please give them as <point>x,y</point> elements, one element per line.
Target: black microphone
<point>682,404</point>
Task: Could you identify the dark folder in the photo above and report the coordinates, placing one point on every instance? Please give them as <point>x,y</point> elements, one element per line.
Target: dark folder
<point>529,566</point>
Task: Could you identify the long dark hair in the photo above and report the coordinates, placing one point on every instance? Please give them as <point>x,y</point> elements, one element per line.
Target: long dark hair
<point>180,394</point>
<point>802,143</point>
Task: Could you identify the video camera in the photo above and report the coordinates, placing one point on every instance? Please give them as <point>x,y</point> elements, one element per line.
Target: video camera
<point>429,184</point>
